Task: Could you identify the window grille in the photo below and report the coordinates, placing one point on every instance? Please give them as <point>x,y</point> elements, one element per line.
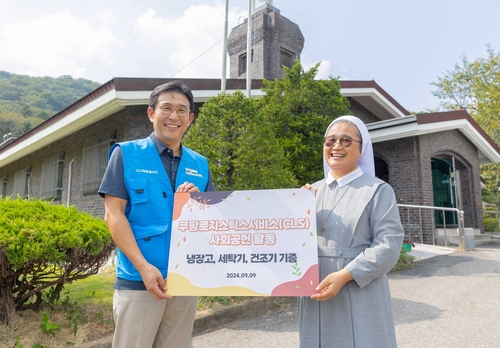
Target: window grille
<point>51,187</point>
<point>95,161</point>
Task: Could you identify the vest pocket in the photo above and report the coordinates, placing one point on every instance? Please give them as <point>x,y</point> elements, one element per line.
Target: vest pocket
<point>138,190</point>
<point>154,249</point>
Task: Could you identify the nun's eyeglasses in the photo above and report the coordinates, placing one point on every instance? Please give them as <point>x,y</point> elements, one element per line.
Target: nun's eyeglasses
<point>345,141</point>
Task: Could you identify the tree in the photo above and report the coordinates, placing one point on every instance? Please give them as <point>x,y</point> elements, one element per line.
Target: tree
<point>9,122</point>
<point>42,246</point>
<point>475,87</point>
<point>38,98</point>
<point>239,144</point>
<point>24,126</point>
<point>299,108</point>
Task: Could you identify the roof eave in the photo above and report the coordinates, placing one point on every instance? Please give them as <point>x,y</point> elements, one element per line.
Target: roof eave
<point>376,97</point>
<point>486,152</point>
<point>97,109</point>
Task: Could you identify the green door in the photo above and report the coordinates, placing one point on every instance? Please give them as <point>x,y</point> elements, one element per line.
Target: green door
<point>443,188</point>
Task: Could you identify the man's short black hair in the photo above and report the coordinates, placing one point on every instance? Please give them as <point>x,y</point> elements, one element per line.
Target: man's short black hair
<point>175,86</point>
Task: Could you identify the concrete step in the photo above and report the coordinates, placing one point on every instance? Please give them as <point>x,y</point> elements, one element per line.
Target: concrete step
<point>479,239</point>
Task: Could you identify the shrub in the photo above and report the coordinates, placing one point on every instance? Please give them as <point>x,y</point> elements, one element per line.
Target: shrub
<point>491,224</point>
<point>44,245</point>
<point>405,260</point>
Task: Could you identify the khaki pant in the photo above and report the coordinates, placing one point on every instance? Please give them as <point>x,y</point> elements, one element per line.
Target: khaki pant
<point>141,321</point>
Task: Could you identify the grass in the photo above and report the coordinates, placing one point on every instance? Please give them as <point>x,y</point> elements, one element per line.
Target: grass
<point>95,290</point>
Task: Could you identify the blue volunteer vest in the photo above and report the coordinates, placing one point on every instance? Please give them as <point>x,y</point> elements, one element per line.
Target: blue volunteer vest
<point>151,200</point>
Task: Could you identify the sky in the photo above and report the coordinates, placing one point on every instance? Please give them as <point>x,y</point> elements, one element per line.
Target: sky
<point>403,45</point>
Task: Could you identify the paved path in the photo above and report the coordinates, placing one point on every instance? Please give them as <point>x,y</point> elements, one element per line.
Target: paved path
<point>450,300</point>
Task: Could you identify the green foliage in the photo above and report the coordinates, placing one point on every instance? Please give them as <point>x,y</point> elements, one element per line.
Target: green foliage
<point>75,313</point>
<point>491,175</point>
<point>405,260</point>
<point>205,302</point>
<point>19,345</point>
<point>49,328</point>
<point>300,108</point>
<point>239,144</point>
<point>44,245</point>
<point>488,197</point>
<point>38,231</point>
<point>18,342</point>
<point>475,87</point>
<point>26,101</point>
<point>491,223</point>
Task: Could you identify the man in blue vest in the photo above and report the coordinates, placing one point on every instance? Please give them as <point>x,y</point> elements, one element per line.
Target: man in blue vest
<point>138,189</point>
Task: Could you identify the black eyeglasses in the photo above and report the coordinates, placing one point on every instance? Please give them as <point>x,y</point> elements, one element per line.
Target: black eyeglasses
<point>345,141</point>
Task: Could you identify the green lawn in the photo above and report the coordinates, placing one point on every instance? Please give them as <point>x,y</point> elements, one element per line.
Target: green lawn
<point>95,290</point>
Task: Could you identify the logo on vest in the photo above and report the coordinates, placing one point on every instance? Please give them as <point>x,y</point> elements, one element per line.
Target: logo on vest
<point>193,172</point>
<point>146,171</point>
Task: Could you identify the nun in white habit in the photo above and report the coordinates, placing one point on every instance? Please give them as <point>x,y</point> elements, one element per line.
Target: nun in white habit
<point>359,241</point>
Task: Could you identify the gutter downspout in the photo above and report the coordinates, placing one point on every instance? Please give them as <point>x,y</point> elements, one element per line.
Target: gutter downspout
<point>69,182</point>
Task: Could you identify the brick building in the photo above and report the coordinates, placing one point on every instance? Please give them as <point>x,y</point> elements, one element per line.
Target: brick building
<point>433,160</point>
<point>429,159</point>
<point>276,41</point>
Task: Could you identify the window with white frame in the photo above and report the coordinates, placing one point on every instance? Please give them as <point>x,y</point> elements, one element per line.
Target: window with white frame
<point>95,161</point>
<point>3,187</point>
<point>52,177</point>
<point>21,183</point>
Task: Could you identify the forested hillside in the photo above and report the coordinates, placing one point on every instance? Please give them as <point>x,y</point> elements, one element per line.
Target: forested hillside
<point>26,101</point>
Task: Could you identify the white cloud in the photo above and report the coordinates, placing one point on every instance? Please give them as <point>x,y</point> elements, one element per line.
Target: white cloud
<point>324,69</point>
<point>106,17</point>
<point>148,25</point>
<point>186,41</point>
<point>55,44</point>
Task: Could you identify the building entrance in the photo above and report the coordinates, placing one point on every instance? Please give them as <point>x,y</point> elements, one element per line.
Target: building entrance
<point>446,189</point>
